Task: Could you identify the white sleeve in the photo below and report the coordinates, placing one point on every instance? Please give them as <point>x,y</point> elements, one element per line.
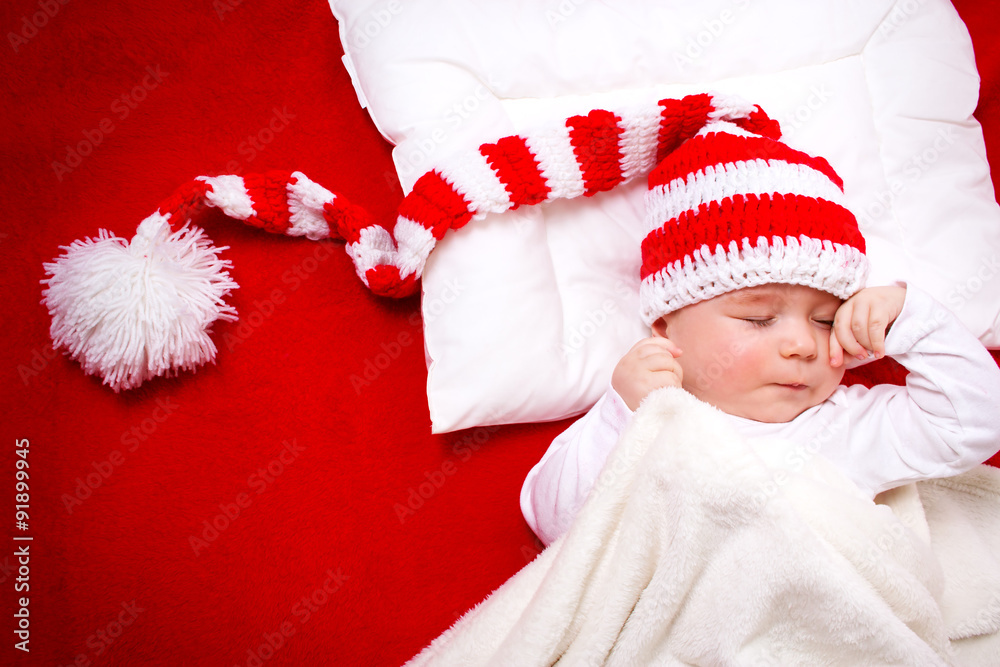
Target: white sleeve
<point>945,420</point>
<point>556,488</point>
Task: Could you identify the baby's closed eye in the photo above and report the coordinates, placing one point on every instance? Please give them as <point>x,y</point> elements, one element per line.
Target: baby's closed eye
<point>758,321</point>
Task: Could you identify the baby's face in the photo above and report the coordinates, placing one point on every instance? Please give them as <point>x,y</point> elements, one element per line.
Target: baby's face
<point>762,353</point>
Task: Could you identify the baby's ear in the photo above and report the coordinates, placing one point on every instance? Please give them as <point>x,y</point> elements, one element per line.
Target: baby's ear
<point>659,328</point>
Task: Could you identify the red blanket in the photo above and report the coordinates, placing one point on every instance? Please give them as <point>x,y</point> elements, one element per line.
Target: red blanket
<point>268,509</point>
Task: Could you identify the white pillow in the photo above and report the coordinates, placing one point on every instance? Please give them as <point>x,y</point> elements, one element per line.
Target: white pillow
<point>527,312</point>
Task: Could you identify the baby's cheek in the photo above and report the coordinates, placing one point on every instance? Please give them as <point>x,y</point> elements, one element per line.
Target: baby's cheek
<point>708,374</point>
<point>833,380</point>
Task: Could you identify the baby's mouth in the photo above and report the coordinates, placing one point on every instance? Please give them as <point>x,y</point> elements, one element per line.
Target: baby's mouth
<point>796,386</point>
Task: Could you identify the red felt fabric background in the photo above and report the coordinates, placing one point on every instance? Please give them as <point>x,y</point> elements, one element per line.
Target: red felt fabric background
<point>359,536</point>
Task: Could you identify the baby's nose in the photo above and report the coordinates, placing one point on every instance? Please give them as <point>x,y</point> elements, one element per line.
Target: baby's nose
<point>799,340</point>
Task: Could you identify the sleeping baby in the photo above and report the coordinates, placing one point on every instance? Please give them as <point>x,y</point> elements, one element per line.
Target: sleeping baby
<point>753,285</point>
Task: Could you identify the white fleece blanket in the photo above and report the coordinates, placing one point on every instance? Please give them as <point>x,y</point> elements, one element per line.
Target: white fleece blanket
<point>692,550</point>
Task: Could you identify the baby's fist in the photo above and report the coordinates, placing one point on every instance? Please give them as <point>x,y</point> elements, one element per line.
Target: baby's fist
<point>860,325</point>
<point>650,364</point>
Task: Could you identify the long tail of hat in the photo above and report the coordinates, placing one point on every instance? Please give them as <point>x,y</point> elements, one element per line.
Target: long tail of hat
<point>582,156</point>
<point>129,311</point>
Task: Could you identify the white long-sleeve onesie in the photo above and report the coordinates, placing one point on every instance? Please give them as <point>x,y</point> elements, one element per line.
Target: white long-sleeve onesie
<point>944,421</point>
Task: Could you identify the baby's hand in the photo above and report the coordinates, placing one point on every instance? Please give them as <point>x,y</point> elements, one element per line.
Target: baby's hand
<point>650,364</point>
<point>861,322</point>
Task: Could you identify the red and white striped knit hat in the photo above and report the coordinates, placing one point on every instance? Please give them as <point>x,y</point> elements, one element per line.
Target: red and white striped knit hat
<point>129,310</point>
<point>731,208</point>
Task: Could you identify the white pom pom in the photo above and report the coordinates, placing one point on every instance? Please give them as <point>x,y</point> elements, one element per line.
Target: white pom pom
<point>130,311</point>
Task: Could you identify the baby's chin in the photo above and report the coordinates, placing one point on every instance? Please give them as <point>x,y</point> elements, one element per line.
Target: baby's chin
<point>772,416</point>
